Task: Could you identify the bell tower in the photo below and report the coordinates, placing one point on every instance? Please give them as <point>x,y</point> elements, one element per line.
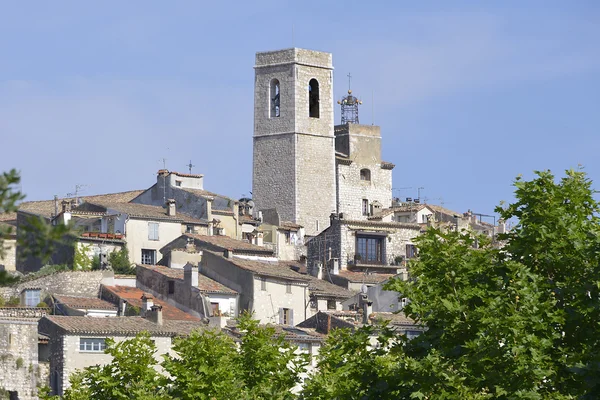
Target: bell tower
<point>294,147</point>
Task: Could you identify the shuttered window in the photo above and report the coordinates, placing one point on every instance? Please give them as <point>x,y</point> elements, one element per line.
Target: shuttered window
<point>152,230</point>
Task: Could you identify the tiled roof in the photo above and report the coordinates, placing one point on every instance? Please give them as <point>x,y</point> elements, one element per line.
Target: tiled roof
<point>12,216</point>
<point>290,333</point>
<point>397,319</point>
<point>222,212</point>
<point>84,302</point>
<point>289,225</point>
<point>225,242</point>
<point>361,277</point>
<point>99,235</point>
<point>134,298</point>
<point>247,219</point>
<point>45,208</point>
<point>379,224</point>
<point>205,284</point>
<point>273,269</point>
<point>125,326</point>
<point>321,287</point>
<point>135,210</point>
<point>187,175</point>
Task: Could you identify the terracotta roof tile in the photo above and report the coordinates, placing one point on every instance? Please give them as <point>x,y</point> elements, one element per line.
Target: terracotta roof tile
<point>84,302</point>
<point>273,269</point>
<point>361,277</point>
<point>289,225</point>
<point>122,326</point>
<point>45,208</point>
<point>135,210</point>
<point>205,284</point>
<point>225,242</point>
<point>321,287</point>
<point>134,298</point>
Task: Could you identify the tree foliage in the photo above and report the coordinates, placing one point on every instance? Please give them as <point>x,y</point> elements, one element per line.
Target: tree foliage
<point>119,261</point>
<point>207,364</point>
<point>511,323</point>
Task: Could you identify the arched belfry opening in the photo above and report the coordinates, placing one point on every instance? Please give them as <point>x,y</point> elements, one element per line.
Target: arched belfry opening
<point>313,98</point>
<point>275,99</point>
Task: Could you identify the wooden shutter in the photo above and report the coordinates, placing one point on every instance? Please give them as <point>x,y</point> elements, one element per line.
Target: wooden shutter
<point>291,317</point>
<point>280,316</point>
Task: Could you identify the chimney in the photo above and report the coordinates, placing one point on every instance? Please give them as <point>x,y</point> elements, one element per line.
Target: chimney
<point>171,208</point>
<point>319,271</point>
<point>501,226</point>
<point>122,307</point>
<point>335,266</point>
<point>147,303</point>
<point>228,253</point>
<point>55,205</point>
<point>155,315</point>
<point>66,205</point>
<point>190,246</point>
<point>190,275</point>
<point>367,310</point>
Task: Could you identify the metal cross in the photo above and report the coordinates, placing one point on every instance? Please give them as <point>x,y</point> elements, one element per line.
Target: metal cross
<point>349,78</point>
<point>190,166</point>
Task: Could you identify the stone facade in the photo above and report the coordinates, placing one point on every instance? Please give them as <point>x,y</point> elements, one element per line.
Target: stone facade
<point>361,176</point>
<point>339,241</point>
<point>71,283</point>
<point>293,151</point>
<point>8,261</point>
<point>20,371</point>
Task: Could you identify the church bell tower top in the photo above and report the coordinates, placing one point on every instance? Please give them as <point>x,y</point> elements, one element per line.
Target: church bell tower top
<point>311,58</point>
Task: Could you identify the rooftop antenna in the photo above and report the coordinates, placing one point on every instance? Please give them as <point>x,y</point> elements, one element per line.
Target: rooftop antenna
<point>419,191</point>
<point>190,166</point>
<point>164,161</point>
<point>372,107</point>
<point>349,105</point>
<point>78,190</point>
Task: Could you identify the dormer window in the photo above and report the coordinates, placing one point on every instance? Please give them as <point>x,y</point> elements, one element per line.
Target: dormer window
<point>365,175</point>
<point>274,95</point>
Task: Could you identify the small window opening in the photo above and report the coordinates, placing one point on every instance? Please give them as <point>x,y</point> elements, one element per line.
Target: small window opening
<point>313,98</point>
<point>365,175</point>
<point>365,207</point>
<point>288,288</point>
<point>263,284</point>
<point>275,99</point>
<point>331,305</point>
<point>171,287</point>
<point>177,183</point>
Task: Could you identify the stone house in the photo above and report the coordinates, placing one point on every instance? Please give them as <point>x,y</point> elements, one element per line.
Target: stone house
<point>352,250</point>
<point>326,295</point>
<point>79,342</point>
<point>187,190</point>
<point>363,180</point>
<point>47,211</point>
<point>272,291</point>
<point>285,238</point>
<point>32,289</point>
<point>189,248</point>
<point>186,289</point>
<point>21,372</point>
<point>144,228</point>
<point>81,306</point>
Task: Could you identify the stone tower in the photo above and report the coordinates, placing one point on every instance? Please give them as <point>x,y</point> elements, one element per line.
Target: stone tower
<point>294,144</point>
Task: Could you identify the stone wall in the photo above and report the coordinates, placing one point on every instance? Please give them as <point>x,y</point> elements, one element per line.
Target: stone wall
<point>294,168</point>
<point>71,283</point>
<point>351,190</point>
<point>19,357</point>
<point>8,262</point>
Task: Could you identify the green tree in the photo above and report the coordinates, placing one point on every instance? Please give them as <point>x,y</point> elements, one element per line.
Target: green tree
<point>119,260</point>
<point>130,375</point>
<point>81,260</point>
<point>520,322</point>
<point>9,197</point>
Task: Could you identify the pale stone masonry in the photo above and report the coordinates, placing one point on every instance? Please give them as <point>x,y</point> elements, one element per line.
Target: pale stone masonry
<point>363,180</point>
<point>294,168</point>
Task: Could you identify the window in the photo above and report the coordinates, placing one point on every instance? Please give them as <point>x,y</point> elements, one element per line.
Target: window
<point>189,229</point>
<point>275,99</point>
<point>263,284</point>
<point>286,234</point>
<point>411,251</point>
<point>365,207</point>
<point>215,309</point>
<point>369,249</point>
<point>313,98</point>
<point>32,297</point>
<point>148,257</point>
<point>91,344</point>
<point>152,230</point>
<point>171,287</point>
<point>331,305</point>
<point>288,288</point>
<point>365,175</point>
<point>286,316</point>
<point>305,348</point>
<point>177,183</point>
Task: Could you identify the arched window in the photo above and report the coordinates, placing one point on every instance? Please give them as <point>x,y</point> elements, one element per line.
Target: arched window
<point>365,175</point>
<point>275,98</point>
<point>313,98</point>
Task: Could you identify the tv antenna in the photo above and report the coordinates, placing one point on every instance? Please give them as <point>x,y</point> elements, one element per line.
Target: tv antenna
<point>77,192</point>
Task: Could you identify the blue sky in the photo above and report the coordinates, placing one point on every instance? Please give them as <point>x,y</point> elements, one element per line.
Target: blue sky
<point>468,94</point>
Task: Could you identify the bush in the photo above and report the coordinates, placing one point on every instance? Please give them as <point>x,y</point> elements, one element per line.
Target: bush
<point>119,260</point>
<point>19,362</point>
<point>42,304</point>
<point>96,263</point>
<point>14,301</point>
